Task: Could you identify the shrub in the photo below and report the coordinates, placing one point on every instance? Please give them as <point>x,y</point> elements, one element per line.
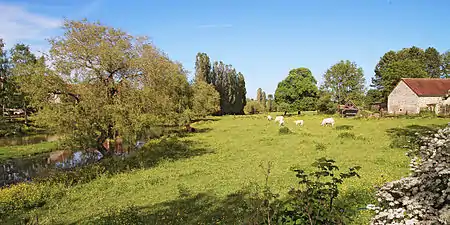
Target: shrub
<point>253,107</point>
<point>421,198</point>
<point>284,130</point>
<point>312,202</point>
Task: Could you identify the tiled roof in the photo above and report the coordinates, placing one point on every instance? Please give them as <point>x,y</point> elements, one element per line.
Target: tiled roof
<point>428,86</point>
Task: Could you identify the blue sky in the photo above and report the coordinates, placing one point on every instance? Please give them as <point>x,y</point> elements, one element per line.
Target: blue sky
<point>262,39</point>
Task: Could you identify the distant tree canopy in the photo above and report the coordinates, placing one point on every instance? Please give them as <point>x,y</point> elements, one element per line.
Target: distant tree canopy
<point>411,62</point>
<point>298,91</point>
<point>345,80</point>
<point>229,83</point>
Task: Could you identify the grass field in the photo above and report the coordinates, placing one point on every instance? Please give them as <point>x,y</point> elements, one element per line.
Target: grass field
<point>204,184</point>
<point>17,151</point>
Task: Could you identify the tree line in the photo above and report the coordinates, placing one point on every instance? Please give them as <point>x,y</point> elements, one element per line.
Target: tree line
<point>99,83</point>
<point>345,81</point>
<point>229,83</point>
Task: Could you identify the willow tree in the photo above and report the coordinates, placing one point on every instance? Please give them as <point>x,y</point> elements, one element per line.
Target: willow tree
<point>109,85</point>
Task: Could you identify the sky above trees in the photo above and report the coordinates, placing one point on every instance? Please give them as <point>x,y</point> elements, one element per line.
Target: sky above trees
<point>265,40</point>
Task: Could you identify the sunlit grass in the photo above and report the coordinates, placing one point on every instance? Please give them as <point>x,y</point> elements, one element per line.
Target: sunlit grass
<point>7,152</point>
<point>238,146</point>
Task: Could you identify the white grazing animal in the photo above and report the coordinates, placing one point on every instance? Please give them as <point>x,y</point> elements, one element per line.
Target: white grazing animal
<point>278,118</point>
<point>297,122</point>
<point>269,117</point>
<point>327,121</point>
<point>281,123</point>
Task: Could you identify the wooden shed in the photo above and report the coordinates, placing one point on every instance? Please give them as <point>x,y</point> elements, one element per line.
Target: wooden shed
<point>349,109</point>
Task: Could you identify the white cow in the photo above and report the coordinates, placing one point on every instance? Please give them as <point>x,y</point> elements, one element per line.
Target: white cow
<point>278,118</point>
<point>269,117</point>
<point>297,122</point>
<point>327,121</point>
<point>281,122</point>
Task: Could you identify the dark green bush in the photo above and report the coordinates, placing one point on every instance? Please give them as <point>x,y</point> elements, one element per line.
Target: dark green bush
<point>284,130</point>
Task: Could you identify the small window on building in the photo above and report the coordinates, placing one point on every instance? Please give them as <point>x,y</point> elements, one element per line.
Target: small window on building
<point>400,110</point>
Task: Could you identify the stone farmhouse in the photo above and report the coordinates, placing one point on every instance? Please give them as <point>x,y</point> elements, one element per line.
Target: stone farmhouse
<point>411,95</point>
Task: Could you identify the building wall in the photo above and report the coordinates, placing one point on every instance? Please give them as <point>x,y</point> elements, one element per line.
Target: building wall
<point>403,100</point>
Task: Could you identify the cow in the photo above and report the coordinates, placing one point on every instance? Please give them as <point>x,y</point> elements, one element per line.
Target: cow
<point>327,121</point>
<point>297,122</point>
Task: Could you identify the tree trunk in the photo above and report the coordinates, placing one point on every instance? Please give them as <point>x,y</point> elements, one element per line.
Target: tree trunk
<point>298,112</point>
<point>285,112</point>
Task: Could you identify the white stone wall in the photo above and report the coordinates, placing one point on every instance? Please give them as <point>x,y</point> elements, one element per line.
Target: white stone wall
<point>403,100</point>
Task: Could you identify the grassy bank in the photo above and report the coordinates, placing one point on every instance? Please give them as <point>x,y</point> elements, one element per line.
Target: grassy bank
<point>8,152</point>
<point>209,179</point>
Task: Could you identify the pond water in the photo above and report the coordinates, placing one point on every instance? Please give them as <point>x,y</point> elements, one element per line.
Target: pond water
<point>27,140</point>
<point>25,169</point>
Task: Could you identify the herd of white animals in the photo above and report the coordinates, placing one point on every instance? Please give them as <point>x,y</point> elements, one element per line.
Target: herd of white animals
<point>280,120</point>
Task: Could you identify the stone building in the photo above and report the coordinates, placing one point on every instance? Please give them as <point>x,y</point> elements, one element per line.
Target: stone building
<point>411,95</point>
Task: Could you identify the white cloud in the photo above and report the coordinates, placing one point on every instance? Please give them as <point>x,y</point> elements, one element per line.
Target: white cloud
<point>17,24</point>
<point>215,26</point>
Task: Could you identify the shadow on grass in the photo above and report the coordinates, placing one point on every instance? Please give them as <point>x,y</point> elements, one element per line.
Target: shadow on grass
<point>205,208</point>
<point>344,127</point>
<point>409,136</point>
<point>205,120</point>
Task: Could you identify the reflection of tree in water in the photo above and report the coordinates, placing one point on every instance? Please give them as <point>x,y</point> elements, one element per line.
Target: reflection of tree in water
<point>24,169</point>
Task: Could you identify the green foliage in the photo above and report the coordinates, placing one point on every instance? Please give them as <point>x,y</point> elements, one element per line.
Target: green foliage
<point>270,103</point>
<point>373,96</point>
<point>253,107</point>
<point>205,100</point>
<point>345,80</point>
<point>407,63</point>
<point>312,202</point>
<point>284,130</point>
<point>445,67</point>
<point>203,68</point>
<point>433,63</point>
<point>394,71</point>
<point>231,87</point>
<point>325,104</point>
<point>108,83</point>
<point>298,90</point>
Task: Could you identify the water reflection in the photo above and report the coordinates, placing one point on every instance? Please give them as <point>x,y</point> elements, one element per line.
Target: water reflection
<point>27,140</point>
<point>24,169</point>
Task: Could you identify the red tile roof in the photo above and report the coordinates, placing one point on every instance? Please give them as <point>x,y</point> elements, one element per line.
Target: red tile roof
<point>428,86</point>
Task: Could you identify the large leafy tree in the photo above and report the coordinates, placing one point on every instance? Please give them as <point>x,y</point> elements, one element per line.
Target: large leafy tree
<point>297,90</point>
<point>110,83</point>
<point>345,80</point>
